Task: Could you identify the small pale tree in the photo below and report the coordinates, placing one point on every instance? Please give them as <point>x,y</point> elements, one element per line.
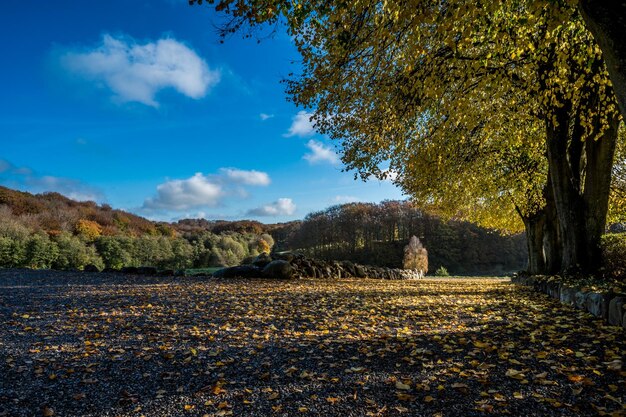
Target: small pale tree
<point>416,257</point>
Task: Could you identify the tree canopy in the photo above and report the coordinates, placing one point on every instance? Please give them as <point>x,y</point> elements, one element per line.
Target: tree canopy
<point>478,109</point>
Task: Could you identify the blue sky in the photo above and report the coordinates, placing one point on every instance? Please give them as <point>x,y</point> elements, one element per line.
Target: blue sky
<point>137,104</point>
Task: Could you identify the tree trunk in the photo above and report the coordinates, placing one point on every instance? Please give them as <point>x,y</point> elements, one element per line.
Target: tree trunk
<point>563,156</point>
<point>606,20</point>
<point>599,155</point>
<point>534,226</point>
<point>580,173</point>
<point>551,237</point>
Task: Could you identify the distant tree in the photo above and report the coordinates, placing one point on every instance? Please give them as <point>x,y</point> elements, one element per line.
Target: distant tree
<point>114,252</point>
<point>41,252</point>
<point>88,229</point>
<point>153,251</point>
<point>236,249</point>
<point>268,238</point>
<point>262,246</point>
<point>377,233</point>
<point>12,252</point>
<point>182,254</point>
<point>416,256</point>
<point>166,230</point>
<point>75,253</point>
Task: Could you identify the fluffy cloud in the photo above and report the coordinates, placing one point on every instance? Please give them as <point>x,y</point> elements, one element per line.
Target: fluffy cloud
<point>281,207</point>
<point>246,177</point>
<point>27,179</point>
<point>197,191</point>
<point>137,72</point>
<point>320,153</point>
<point>301,125</point>
<point>202,190</point>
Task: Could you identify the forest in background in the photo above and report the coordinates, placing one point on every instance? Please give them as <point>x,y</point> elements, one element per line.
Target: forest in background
<point>376,234</point>
<point>52,231</point>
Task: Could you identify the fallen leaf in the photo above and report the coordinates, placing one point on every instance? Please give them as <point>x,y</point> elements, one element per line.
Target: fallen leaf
<point>401,386</point>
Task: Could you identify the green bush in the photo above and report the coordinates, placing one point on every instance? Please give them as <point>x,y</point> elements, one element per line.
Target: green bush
<point>151,251</point>
<point>12,252</point>
<point>74,253</point>
<point>41,252</point>
<point>182,254</point>
<point>114,251</point>
<point>442,272</point>
<point>614,254</point>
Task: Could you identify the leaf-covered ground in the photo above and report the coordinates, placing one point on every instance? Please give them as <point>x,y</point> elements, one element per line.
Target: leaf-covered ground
<point>75,344</point>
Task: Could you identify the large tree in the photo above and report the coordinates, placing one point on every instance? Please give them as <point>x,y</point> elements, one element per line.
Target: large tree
<point>445,95</point>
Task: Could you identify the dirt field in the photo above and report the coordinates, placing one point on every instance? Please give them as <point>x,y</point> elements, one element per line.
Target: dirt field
<point>79,344</point>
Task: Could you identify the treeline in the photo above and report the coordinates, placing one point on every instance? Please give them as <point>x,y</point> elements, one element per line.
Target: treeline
<point>375,234</point>
<point>23,247</point>
<point>51,231</point>
<point>279,232</point>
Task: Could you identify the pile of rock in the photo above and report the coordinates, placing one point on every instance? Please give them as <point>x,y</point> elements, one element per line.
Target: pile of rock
<point>290,265</point>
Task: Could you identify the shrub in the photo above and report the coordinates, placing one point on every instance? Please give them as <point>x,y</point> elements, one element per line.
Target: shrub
<point>614,254</point>
<point>442,272</point>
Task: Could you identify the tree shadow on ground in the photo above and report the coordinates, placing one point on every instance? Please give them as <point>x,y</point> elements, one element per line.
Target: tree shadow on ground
<point>187,349</point>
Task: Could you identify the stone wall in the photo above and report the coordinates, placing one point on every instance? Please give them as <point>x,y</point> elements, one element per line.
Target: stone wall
<point>609,306</point>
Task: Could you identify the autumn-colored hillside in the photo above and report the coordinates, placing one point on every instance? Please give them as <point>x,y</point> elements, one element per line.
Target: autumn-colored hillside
<point>54,213</point>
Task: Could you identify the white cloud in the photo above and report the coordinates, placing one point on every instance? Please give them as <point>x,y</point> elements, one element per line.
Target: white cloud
<point>201,191</point>
<point>197,191</point>
<point>246,177</point>
<point>265,116</point>
<point>342,199</point>
<point>320,153</point>
<point>281,207</point>
<point>301,125</point>
<point>137,72</point>
<point>27,179</point>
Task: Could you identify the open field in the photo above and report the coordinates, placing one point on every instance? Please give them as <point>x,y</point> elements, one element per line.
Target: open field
<point>78,344</point>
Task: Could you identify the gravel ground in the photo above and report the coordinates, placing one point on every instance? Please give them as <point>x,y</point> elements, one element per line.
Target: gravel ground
<point>80,344</point>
